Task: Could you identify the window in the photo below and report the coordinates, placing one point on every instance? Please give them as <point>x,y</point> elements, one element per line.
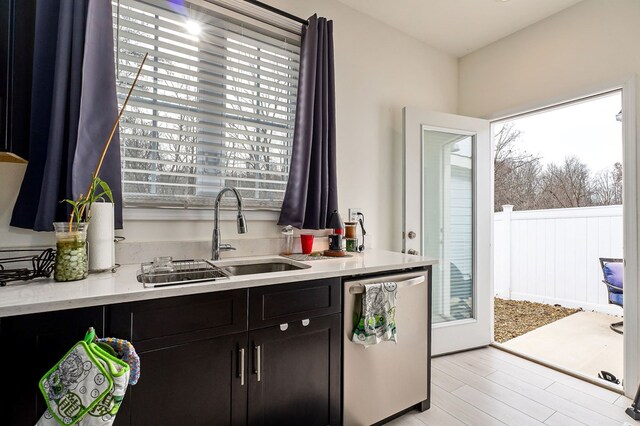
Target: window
<point>214,105</point>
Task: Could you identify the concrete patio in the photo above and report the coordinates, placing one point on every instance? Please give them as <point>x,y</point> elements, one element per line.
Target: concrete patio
<point>582,343</point>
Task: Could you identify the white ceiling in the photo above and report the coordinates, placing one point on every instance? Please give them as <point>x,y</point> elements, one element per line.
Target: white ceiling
<point>459,27</point>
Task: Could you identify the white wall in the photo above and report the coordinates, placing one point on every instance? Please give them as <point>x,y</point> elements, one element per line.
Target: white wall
<point>587,45</point>
<point>378,71</point>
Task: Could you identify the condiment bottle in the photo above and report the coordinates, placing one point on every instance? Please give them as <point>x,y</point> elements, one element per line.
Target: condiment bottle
<point>350,229</point>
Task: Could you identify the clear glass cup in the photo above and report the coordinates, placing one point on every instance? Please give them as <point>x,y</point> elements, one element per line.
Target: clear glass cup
<point>163,264</point>
<point>286,244</point>
<point>71,251</point>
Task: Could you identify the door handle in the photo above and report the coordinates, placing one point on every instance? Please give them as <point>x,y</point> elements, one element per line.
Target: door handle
<point>257,355</point>
<point>412,251</point>
<point>241,366</point>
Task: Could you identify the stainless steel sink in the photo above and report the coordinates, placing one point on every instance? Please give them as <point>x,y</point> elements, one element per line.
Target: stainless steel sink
<point>194,271</point>
<point>260,266</point>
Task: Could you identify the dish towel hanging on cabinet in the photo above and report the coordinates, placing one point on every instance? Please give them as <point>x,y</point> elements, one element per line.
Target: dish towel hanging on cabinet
<point>375,315</point>
<point>87,386</point>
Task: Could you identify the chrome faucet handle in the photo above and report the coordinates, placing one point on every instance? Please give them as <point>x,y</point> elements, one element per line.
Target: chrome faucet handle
<point>227,246</point>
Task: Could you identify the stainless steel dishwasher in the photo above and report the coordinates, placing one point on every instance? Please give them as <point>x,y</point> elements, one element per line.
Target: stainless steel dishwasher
<point>388,378</point>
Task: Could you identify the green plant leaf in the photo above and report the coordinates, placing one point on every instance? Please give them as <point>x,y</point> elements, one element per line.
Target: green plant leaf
<point>106,190</point>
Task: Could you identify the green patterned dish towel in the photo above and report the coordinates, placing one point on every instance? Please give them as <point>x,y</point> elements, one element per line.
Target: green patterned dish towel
<point>86,387</point>
<point>375,314</point>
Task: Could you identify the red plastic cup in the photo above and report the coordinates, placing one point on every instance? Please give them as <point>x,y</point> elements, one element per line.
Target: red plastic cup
<point>306,240</point>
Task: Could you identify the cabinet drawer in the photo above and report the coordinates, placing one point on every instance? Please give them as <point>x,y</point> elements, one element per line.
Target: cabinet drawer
<point>176,320</point>
<point>280,304</point>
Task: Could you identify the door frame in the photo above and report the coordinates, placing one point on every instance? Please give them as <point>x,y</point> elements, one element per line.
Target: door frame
<point>482,212</point>
<point>630,157</point>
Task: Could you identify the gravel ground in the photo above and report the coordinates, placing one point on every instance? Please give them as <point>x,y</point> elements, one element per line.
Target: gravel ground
<point>514,318</point>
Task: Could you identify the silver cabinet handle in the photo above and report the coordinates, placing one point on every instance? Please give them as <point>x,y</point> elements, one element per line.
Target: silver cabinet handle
<point>258,361</point>
<point>359,288</point>
<point>241,363</point>
<point>412,251</point>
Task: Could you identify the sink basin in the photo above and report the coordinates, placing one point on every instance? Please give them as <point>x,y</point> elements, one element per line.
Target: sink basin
<point>261,266</point>
<point>195,271</point>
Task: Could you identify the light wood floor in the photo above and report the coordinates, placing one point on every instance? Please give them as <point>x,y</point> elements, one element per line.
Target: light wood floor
<point>491,387</point>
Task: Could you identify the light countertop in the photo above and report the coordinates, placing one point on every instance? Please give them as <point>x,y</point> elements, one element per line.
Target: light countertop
<point>44,295</point>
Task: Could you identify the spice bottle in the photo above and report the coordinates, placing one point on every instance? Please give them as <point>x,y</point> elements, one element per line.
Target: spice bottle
<point>286,246</point>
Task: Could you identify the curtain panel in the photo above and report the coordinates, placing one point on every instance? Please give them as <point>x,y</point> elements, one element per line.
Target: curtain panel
<point>312,191</point>
<point>74,106</point>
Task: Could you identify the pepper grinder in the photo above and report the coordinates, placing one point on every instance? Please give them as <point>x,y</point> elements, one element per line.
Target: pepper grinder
<point>336,223</point>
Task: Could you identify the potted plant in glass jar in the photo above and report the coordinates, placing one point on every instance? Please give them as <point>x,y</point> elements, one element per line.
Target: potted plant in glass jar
<point>71,237</point>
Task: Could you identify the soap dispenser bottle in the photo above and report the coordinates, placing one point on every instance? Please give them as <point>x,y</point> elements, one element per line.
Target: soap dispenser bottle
<point>286,247</point>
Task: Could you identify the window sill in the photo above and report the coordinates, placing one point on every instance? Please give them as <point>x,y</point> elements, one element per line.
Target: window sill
<point>135,213</point>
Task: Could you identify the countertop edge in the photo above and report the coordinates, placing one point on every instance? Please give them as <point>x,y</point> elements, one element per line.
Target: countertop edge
<point>239,282</point>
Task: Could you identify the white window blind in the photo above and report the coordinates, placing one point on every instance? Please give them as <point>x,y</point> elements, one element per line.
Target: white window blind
<point>210,110</point>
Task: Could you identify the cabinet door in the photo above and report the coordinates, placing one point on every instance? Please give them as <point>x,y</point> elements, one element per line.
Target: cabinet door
<point>17,32</point>
<point>198,383</point>
<point>295,373</point>
<point>32,344</point>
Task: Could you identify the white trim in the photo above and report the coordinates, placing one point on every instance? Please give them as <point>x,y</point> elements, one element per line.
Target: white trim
<point>453,323</point>
<point>131,213</point>
<point>628,86</point>
<point>573,96</point>
<point>630,236</point>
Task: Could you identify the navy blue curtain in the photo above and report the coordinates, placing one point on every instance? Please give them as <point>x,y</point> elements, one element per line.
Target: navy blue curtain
<point>73,108</point>
<point>312,190</point>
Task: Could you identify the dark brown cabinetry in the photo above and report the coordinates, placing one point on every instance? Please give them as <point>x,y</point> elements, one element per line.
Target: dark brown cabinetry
<point>197,383</point>
<point>190,349</point>
<point>267,355</point>
<point>17,32</point>
<point>31,345</point>
<point>295,373</point>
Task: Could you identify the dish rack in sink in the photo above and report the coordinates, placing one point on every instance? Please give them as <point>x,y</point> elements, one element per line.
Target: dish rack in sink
<point>180,272</point>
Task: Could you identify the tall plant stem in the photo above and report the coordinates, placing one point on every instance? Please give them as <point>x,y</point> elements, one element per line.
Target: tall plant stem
<point>107,144</point>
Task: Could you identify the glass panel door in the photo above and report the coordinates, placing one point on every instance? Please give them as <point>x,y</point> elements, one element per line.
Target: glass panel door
<point>448,216</point>
<point>448,222</point>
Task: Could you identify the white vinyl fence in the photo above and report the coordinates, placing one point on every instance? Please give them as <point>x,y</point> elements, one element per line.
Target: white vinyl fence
<point>551,256</point>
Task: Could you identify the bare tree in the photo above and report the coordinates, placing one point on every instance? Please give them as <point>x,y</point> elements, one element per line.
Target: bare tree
<point>566,185</point>
<point>607,186</point>
<point>516,172</point>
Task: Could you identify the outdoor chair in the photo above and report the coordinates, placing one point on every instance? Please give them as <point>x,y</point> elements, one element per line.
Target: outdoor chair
<point>613,270</point>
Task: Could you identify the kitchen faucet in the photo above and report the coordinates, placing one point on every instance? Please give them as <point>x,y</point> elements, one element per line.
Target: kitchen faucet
<point>216,247</point>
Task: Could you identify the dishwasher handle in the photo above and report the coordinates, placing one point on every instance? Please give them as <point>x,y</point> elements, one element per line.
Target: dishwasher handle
<point>359,288</point>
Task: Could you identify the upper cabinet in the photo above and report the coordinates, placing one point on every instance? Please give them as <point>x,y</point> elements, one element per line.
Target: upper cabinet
<point>17,33</point>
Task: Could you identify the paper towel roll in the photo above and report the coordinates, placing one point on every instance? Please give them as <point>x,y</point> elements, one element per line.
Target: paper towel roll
<point>100,235</point>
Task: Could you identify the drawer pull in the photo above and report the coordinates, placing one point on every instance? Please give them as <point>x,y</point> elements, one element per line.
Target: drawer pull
<point>305,322</point>
<point>257,360</point>
<point>283,327</point>
<point>241,366</point>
